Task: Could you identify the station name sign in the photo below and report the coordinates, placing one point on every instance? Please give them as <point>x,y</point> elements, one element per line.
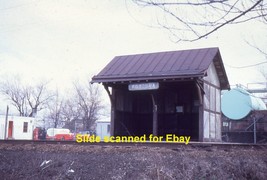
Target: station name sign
<point>143,86</point>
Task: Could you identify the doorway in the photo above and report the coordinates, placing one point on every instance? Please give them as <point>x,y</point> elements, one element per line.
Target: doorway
<point>10,130</point>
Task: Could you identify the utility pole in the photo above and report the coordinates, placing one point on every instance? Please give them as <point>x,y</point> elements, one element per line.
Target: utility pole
<point>7,109</point>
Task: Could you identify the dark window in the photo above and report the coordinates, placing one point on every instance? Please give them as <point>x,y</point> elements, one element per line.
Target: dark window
<point>25,127</point>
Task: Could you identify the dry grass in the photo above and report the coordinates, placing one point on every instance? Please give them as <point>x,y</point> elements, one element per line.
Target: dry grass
<point>95,162</point>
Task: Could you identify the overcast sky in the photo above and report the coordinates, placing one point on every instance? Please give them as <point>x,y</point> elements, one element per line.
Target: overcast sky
<point>66,40</point>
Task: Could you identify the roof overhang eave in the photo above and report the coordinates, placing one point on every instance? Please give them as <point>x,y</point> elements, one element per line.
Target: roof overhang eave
<point>143,79</point>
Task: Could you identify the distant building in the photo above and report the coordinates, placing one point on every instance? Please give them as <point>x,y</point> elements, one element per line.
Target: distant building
<point>103,128</point>
<point>17,127</point>
<point>177,92</point>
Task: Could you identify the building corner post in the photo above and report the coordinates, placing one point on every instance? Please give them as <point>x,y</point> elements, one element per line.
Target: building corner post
<point>155,116</point>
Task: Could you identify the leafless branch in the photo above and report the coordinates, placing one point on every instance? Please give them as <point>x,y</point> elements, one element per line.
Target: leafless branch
<point>26,99</point>
<point>258,49</point>
<point>188,3</point>
<point>83,106</point>
<point>201,18</point>
<point>228,21</point>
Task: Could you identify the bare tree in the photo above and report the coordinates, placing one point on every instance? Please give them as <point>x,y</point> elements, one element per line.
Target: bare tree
<point>15,92</point>
<point>38,97</point>
<point>70,113</point>
<point>27,99</point>
<point>80,109</point>
<point>89,103</point>
<point>191,20</point>
<point>54,113</point>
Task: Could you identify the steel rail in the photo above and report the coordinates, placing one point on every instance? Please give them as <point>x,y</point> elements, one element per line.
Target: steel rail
<point>201,145</point>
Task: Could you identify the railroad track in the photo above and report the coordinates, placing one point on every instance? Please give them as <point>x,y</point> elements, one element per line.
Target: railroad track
<point>174,146</point>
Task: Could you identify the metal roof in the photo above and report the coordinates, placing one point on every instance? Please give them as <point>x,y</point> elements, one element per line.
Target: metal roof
<point>163,65</point>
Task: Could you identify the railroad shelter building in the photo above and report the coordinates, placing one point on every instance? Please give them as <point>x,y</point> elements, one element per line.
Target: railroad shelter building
<point>176,92</point>
<point>16,127</point>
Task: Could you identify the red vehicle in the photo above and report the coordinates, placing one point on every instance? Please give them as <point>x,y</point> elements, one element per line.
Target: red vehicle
<point>59,134</point>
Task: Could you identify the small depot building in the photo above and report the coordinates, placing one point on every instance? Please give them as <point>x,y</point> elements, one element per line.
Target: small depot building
<point>16,127</point>
<point>176,92</point>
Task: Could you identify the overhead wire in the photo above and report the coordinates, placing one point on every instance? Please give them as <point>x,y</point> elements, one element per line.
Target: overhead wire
<point>247,66</point>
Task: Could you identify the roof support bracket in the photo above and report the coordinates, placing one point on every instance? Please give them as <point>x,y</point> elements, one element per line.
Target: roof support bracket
<point>200,90</point>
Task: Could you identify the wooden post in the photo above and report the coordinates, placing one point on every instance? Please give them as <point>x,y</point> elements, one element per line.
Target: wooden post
<point>7,109</point>
<point>112,115</point>
<point>201,123</point>
<point>201,92</point>
<point>255,130</point>
<point>112,121</point>
<point>155,116</point>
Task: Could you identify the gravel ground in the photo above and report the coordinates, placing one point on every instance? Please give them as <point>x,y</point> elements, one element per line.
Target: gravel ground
<point>118,162</point>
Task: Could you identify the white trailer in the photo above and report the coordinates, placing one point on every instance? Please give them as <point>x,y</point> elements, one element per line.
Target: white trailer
<point>17,127</point>
<point>59,134</point>
<point>103,128</point>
